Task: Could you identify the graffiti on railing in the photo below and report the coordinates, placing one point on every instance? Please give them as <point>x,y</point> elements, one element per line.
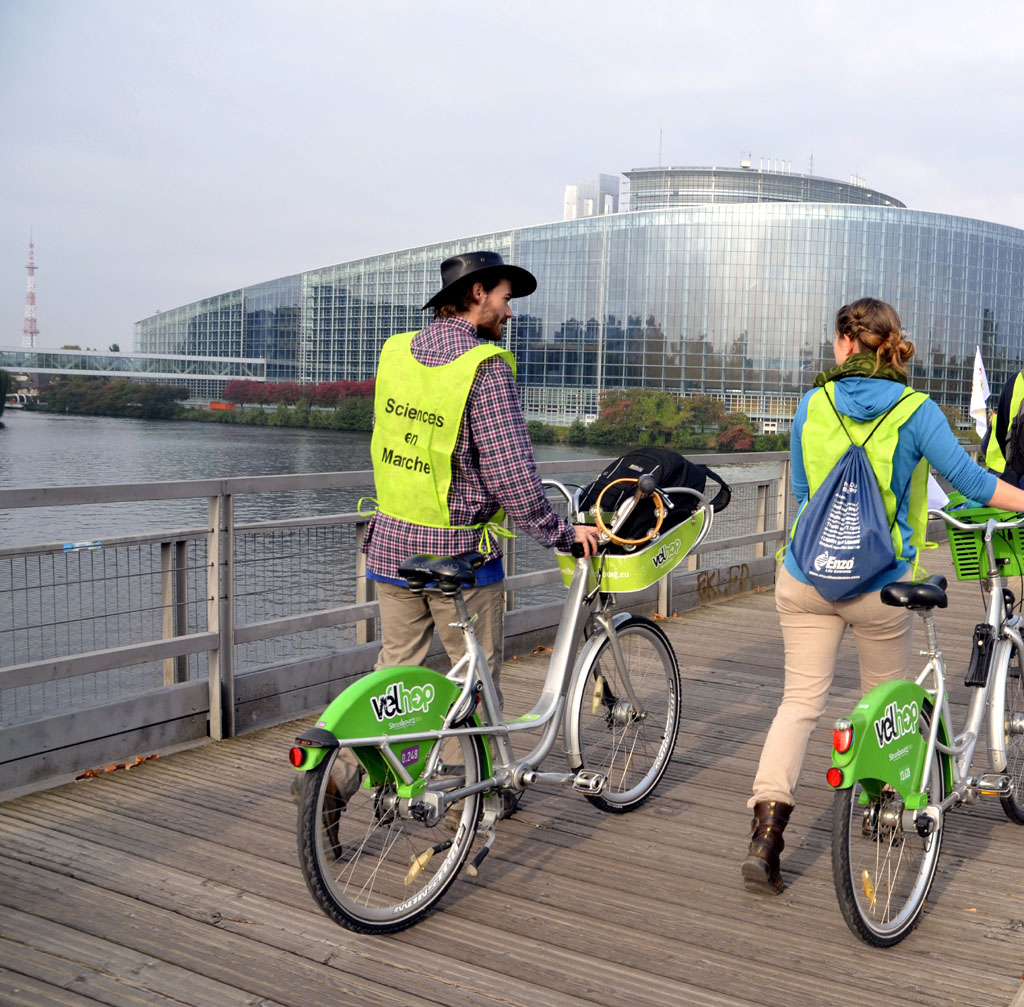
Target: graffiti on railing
<point>715,584</point>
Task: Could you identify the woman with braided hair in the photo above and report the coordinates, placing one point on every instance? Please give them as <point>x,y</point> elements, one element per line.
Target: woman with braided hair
<point>867,387</point>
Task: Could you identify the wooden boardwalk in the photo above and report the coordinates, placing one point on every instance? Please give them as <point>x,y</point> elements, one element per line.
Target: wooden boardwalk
<point>176,883</point>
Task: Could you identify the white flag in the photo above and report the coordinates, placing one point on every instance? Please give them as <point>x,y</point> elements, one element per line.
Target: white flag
<point>979,394</point>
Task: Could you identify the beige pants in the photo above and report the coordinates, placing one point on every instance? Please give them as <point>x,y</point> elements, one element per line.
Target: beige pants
<point>811,631</point>
<point>407,623</point>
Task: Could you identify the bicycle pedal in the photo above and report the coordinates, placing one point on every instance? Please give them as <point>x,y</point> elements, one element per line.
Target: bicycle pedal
<point>995,785</point>
<point>586,781</point>
<point>472,868</point>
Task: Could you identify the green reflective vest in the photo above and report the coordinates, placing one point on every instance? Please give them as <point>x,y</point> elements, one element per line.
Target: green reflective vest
<point>995,459</point>
<point>417,415</point>
<point>823,443</point>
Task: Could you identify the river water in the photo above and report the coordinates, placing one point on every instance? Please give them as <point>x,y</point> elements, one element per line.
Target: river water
<point>45,449</point>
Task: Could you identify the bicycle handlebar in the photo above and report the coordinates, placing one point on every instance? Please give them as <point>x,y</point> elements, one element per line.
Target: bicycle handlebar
<point>989,525</point>
<point>646,484</point>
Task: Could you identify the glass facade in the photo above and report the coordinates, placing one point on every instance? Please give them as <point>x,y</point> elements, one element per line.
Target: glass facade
<point>652,188</point>
<point>732,299</point>
<point>261,321</point>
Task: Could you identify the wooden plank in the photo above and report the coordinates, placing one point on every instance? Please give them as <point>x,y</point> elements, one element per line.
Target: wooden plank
<point>199,947</point>
<point>18,990</point>
<point>99,971</point>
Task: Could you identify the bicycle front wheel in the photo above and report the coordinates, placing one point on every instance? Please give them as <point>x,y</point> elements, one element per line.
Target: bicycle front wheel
<point>1013,733</point>
<point>882,870</point>
<point>626,734</point>
<point>372,863</point>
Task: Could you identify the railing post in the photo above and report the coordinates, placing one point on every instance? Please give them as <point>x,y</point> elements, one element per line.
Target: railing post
<point>219,602</point>
<point>665,596</point>
<point>167,604</point>
<point>761,521</point>
<point>181,603</point>
<point>785,490</point>
<point>508,549</point>
<point>174,604</point>
<point>366,589</point>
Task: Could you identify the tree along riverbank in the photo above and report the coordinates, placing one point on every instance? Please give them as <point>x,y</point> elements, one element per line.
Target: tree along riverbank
<point>635,417</point>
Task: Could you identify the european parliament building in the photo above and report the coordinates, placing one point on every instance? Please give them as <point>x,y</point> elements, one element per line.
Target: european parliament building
<point>714,281</point>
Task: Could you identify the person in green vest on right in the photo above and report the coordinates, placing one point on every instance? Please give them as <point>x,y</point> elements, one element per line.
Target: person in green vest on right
<point>1003,444</point>
<point>868,380</point>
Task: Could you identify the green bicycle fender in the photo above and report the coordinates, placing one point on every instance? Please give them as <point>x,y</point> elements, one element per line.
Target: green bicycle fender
<point>887,746</point>
<point>399,700</point>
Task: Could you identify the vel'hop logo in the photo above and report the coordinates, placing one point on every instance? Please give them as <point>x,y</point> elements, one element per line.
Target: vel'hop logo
<point>896,722</point>
<point>401,699</point>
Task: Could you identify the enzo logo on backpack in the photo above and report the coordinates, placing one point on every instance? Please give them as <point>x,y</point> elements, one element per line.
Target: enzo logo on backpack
<point>825,563</point>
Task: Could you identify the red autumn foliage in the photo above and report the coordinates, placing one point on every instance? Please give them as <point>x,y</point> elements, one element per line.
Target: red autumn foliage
<point>327,395</point>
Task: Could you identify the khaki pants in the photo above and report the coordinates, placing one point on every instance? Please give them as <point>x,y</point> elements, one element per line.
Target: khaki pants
<point>407,623</point>
<point>811,631</point>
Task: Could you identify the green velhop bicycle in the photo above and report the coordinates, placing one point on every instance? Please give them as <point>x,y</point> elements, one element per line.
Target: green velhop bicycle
<point>384,831</point>
<point>897,765</point>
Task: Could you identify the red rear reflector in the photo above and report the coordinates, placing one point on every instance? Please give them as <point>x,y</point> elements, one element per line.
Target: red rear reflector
<point>842,736</point>
<point>296,756</point>
<point>834,776</point>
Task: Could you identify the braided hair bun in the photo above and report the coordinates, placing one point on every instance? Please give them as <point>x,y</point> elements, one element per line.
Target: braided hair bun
<point>877,327</point>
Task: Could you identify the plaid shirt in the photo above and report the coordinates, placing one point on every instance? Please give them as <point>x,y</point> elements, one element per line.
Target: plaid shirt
<point>493,466</point>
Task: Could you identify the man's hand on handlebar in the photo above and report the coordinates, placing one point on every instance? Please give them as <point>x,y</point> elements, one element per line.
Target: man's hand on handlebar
<point>588,537</point>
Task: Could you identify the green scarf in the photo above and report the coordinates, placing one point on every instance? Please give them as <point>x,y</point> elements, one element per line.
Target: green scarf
<point>860,365</point>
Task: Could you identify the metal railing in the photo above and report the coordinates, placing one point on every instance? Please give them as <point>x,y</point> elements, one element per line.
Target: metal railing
<point>126,644</point>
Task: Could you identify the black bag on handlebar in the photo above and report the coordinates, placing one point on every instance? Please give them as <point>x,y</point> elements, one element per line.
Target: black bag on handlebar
<point>670,469</point>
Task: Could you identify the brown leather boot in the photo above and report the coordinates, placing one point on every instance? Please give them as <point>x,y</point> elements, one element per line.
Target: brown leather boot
<point>761,868</point>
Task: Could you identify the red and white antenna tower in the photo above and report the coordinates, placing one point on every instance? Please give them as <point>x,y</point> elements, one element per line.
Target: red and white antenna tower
<point>30,330</point>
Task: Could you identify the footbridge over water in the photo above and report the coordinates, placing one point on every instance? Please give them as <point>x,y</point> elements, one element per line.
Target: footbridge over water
<point>203,375</point>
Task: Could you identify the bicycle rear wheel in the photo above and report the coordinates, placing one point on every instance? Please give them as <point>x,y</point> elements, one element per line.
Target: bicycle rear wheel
<point>883,872</point>
<point>369,863</point>
<point>630,745</point>
<point>1013,728</point>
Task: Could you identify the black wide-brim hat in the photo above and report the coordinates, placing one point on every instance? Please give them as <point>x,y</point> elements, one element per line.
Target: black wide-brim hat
<point>477,266</point>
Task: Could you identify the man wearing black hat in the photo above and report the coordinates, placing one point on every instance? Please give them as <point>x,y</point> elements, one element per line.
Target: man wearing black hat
<point>450,453</point>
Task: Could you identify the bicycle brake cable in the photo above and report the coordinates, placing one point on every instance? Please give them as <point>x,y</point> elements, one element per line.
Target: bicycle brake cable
<point>597,587</point>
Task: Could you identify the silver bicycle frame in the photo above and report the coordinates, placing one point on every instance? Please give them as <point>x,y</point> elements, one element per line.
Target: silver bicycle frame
<point>584,602</point>
<point>988,697</point>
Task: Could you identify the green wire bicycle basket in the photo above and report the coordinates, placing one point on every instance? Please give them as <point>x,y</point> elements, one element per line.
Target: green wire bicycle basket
<point>968,547</point>
<point>638,570</point>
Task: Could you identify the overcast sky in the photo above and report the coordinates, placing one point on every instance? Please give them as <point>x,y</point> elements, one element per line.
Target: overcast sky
<point>161,152</point>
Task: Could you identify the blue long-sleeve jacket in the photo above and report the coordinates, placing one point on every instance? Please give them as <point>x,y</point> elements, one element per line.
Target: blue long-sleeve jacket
<point>925,435</point>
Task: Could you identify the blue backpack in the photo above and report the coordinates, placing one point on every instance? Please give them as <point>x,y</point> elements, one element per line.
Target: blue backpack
<point>842,539</point>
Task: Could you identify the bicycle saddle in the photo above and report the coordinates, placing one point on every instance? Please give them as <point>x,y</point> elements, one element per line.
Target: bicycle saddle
<point>448,572</point>
<point>930,593</point>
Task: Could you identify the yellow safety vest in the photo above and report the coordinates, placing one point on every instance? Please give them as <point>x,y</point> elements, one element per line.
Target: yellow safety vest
<point>995,458</point>
<point>417,415</point>
<point>823,443</point>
